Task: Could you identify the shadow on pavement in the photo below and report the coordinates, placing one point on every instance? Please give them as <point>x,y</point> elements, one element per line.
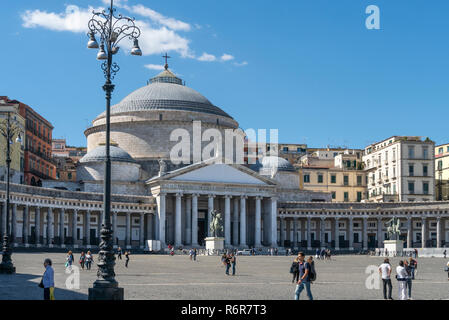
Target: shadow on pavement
<point>21,286</point>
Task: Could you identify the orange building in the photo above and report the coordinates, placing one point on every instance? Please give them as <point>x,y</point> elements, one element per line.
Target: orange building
<point>38,160</point>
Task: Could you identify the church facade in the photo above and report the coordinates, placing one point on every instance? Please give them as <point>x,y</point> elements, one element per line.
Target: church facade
<point>156,199</point>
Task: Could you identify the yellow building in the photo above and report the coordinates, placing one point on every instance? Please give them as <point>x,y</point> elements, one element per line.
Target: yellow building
<point>16,151</point>
<point>341,174</point>
<point>442,172</point>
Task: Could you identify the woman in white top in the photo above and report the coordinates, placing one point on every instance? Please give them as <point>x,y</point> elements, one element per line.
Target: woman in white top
<point>401,276</point>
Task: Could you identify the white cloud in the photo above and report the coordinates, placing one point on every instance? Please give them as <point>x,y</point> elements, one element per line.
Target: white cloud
<point>241,64</point>
<point>159,34</point>
<point>207,57</point>
<point>159,18</point>
<point>154,67</point>
<point>73,19</point>
<point>226,57</point>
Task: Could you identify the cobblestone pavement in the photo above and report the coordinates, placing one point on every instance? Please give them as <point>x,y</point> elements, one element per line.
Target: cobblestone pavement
<point>259,277</point>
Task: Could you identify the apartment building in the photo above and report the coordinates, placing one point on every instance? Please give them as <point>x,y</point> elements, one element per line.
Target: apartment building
<point>400,168</point>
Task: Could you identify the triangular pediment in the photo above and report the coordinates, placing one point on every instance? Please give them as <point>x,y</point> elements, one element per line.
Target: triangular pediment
<point>219,173</point>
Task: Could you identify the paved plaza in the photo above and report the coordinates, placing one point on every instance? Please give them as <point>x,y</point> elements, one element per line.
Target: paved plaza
<point>258,277</point>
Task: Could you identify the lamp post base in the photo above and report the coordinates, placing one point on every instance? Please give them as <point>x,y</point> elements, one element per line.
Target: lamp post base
<point>106,293</point>
<point>7,268</point>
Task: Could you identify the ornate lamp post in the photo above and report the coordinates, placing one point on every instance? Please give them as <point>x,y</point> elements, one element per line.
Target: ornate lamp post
<point>111,28</point>
<point>8,133</point>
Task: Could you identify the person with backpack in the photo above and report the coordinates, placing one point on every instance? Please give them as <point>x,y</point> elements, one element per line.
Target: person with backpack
<point>312,276</point>
<point>304,277</point>
<point>294,269</point>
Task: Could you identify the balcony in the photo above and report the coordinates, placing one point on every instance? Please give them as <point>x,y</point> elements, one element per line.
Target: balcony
<point>41,155</point>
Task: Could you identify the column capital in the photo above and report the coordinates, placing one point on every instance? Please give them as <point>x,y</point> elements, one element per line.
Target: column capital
<point>211,195</point>
<point>258,197</point>
<point>337,218</point>
<point>128,213</point>
<point>195,195</point>
<point>423,218</point>
<point>243,196</point>
<point>228,196</point>
<point>179,194</point>
<point>322,218</point>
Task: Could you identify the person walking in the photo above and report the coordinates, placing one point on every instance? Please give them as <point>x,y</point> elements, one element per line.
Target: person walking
<point>119,253</point>
<point>48,280</point>
<point>223,259</point>
<point>228,263</point>
<point>385,271</point>
<point>233,262</point>
<point>444,253</point>
<point>88,260</point>
<point>413,264</point>
<point>195,252</point>
<point>82,260</point>
<point>408,269</point>
<point>317,254</point>
<point>447,269</point>
<point>401,276</point>
<point>69,260</point>
<point>126,258</point>
<point>304,277</point>
<point>191,254</point>
<point>294,269</point>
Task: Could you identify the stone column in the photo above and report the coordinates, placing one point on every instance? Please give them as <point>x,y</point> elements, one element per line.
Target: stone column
<point>128,230</point>
<point>365,233</point>
<point>380,233</point>
<point>194,220</point>
<point>87,229</point>
<point>61,227</point>
<point>150,235</point>
<point>438,232</point>
<point>13,230</point>
<point>3,222</point>
<point>409,232</point>
<point>243,221</point>
<point>37,225</point>
<point>142,230</point>
<point>227,220</point>
<point>74,228</point>
<point>210,207</point>
<point>309,234</point>
<point>282,231</point>
<point>337,234</point>
<point>295,232</point>
<point>26,213</point>
<point>351,233</point>
<point>188,220</point>
<point>273,213</point>
<point>178,230</point>
<point>50,227</point>
<point>258,223</point>
<point>322,230</point>
<point>423,232</point>
<point>235,227</point>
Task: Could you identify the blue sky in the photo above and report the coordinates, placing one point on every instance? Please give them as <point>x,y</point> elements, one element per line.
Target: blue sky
<point>309,68</point>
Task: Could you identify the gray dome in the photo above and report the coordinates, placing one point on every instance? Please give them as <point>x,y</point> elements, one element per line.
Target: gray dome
<point>276,163</point>
<point>99,154</point>
<point>166,92</point>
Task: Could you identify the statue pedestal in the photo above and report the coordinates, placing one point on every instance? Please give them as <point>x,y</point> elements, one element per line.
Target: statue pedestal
<point>393,247</point>
<point>214,243</point>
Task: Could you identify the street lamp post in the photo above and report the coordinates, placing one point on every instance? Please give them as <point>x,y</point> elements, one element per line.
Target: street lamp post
<point>8,133</point>
<point>111,28</point>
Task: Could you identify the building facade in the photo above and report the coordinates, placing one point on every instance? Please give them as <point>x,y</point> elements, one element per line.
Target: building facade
<point>338,172</point>
<point>16,147</point>
<point>401,169</point>
<point>66,158</point>
<point>442,172</point>
<point>38,163</point>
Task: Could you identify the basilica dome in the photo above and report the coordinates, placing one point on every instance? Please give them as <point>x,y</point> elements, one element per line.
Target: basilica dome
<point>166,92</point>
